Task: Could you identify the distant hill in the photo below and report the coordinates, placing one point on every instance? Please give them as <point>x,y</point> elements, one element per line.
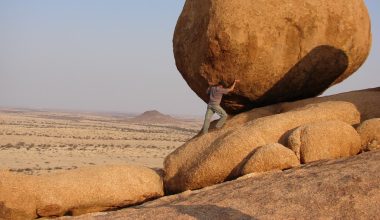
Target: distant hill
<point>154,116</point>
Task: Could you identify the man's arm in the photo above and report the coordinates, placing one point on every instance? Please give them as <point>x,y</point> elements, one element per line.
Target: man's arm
<point>233,86</point>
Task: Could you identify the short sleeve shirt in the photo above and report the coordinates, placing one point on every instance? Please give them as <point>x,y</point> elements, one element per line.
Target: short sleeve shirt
<point>216,95</point>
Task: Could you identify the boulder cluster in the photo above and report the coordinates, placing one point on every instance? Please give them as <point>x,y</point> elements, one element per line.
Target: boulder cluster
<point>284,52</point>
<point>346,188</point>
<point>279,136</point>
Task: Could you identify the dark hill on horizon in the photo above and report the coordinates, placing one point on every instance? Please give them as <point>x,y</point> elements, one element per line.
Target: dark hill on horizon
<point>154,116</point>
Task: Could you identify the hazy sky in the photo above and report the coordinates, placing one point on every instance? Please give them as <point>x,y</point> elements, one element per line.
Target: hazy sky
<point>109,55</point>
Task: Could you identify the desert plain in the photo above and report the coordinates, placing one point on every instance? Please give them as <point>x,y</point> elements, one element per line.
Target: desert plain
<point>46,141</point>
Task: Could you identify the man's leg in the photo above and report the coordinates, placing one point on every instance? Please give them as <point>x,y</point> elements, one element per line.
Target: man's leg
<point>223,116</point>
<point>206,123</point>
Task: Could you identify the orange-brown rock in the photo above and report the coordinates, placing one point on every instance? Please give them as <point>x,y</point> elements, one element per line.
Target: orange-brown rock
<point>269,157</point>
<point>324,140</point>
<point>76,192</point>
<point>17,196</point>
<point>340,189</point>
<point>369,132</point>
<point>367,102</point>
<point>208,160</point>
<point>281,50</point>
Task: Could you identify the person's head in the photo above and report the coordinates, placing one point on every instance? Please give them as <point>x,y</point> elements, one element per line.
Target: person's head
<point>222,83</point>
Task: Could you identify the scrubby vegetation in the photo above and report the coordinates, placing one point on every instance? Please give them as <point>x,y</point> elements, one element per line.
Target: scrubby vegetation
<point>56,141</point>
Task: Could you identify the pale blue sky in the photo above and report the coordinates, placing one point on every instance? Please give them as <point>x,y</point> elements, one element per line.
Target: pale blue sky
<point>109,55</point>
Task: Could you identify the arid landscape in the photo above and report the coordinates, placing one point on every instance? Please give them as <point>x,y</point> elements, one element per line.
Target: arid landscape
<point>36,142</point>
<point>295,84</point>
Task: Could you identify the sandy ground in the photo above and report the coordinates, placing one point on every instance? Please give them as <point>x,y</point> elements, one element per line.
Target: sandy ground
<point>36,142</point>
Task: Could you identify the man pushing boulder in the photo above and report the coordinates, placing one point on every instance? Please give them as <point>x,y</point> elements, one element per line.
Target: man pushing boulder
<point>216,93</point>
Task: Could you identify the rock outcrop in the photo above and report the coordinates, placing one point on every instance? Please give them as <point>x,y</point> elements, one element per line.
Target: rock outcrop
<point>369,132</point>
<point>281,50</point>
<point>196,166</point>
<point>215,157</point>
<point>324,140</point>
<point>340,189</point>
<point>269,157</point>
<point>76,192</point>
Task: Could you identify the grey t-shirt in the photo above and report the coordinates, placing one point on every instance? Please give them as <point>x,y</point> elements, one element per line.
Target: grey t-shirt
<point>216,94</point>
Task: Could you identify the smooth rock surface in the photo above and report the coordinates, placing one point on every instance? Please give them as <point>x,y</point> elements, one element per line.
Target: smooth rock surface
<point>281,50</point>
<point>17,196</point>
<point>369,132</point>
<point>324,140</point>
<point>269,157</point>
<point>77,191</point>
<point>339,189</point>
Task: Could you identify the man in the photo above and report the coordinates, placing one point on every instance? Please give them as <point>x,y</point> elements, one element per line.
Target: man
<point>216,94</point>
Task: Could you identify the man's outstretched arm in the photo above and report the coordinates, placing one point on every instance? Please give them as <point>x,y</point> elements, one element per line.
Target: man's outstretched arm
<point>233,85</point>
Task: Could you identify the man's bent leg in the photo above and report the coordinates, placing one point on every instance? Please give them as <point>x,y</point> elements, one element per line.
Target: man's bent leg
<point>206,123</point>
<point>223,116</point>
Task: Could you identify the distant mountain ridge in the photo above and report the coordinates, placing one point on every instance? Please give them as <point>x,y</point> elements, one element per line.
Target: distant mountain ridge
<point>154,116</point>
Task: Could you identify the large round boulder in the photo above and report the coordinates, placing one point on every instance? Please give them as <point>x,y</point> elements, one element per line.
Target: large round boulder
<point>281,50</point>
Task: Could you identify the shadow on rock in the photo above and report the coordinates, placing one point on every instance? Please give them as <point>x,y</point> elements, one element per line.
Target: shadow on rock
<point>312,75</point>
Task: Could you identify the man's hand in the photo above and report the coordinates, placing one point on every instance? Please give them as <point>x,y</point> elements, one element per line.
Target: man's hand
<point>233,85</point>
